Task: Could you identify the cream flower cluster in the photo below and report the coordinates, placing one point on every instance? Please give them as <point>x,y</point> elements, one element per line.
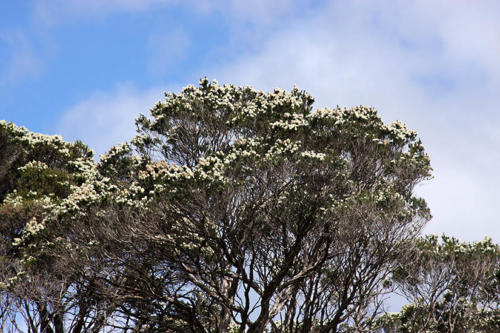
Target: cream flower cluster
<point>291,122</point>
<point>241,103</point>
<point>33,140</point>
<point>400,131</point>
<point>32,228</point>
<point>33,165</point>
<point>164,170</point>
<point>282,147</point>
<point>313,155</point>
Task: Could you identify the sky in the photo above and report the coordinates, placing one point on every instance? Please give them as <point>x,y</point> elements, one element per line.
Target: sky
<point>85,69</point>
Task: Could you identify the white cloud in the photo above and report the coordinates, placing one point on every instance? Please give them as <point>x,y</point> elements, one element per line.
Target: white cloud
<point>107,118</point>
<point>415,63</point>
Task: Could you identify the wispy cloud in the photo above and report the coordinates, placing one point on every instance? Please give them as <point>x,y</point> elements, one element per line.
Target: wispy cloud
<point>21,61</point>
<point>167,49</point>
<point>256,11</point>
<point>107,118</point>
<point>53,12</point>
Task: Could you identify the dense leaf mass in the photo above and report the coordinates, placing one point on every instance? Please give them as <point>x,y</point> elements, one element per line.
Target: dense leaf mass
<point>231,210</point>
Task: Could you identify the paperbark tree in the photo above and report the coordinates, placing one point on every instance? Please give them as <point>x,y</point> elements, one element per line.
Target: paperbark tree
<point>452,286</point>
<point>231,210</point>
<point>37,172</point>
<point>238,208</point>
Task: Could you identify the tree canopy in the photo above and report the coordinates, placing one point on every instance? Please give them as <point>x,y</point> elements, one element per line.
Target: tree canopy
<point>232,210</point>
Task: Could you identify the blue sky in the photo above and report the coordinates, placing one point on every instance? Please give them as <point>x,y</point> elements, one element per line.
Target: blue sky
<point>86,68</point>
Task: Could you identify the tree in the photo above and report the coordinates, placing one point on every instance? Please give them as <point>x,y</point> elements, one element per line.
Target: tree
<point>37,172</point>
<point>238,208</point>
<point>452,286</point>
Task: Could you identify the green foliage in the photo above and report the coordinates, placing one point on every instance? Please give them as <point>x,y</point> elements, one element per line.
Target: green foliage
<point>20,148</point>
